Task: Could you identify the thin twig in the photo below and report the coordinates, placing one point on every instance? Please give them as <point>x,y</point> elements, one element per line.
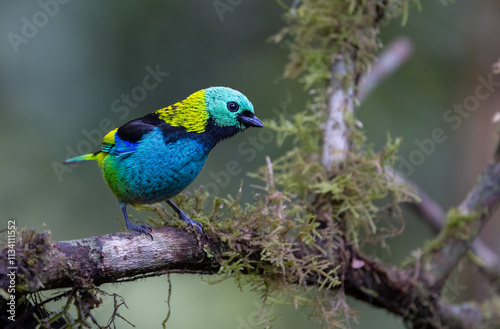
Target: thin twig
<point>392,58</point>
<point>468,220</point>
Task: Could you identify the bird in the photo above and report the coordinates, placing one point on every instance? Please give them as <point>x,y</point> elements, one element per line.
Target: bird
<point>155,157</point>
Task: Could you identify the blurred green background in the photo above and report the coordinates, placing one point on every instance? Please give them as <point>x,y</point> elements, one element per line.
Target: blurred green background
<point>65,69</point>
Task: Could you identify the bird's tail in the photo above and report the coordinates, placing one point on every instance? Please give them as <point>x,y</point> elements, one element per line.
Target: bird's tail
<point>82,158</point>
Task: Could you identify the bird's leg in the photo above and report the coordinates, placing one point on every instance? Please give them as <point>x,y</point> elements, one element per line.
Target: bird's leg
<point>185,218</point>
<point>146,229</point>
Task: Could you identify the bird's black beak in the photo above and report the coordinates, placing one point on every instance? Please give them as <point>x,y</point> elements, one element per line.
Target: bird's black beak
<point>249,119</point>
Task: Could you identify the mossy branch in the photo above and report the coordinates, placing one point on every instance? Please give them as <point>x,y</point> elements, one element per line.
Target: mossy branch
<point>463,224</point>
<point>121,257</point>
<point>43,264</point>
<point>340,105</point>
<point>434,216</point>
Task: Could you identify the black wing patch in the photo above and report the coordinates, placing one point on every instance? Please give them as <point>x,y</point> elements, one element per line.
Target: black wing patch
<point>133,130</point>
<point>130,134</point>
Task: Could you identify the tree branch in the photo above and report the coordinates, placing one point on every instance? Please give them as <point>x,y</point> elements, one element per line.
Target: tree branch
<point>341,96</point>
<point>391,59</point>
<point>110,258</point>
<point>431,213</point>
<point>122,257</point>
<point>463,226</point>
<point>340,100</point>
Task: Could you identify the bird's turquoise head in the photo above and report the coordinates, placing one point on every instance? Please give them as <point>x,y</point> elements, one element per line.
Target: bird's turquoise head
<point>230,108</point>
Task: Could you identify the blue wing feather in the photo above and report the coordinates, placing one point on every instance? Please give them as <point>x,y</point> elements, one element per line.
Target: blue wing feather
<point>123,147</point>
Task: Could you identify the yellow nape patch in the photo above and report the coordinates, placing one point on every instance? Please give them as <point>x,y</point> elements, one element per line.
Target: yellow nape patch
<point>190,113</point>
<point>110,137</point>
<point>100,157</point>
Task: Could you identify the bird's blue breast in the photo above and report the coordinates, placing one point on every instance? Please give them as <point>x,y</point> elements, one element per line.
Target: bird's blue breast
<point>157,168</point>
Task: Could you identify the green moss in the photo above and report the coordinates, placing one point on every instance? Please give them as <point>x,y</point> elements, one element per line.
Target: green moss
<point>429,247</point>
<point>458,224</point>
<point>209,252</point>
<point>322,31</point>
<point>456,220</point>
<point>262,238</point>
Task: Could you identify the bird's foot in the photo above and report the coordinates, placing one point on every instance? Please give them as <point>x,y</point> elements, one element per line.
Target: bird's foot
<point>146,229</point>
<point>185,218</point>
<point>191,222</point>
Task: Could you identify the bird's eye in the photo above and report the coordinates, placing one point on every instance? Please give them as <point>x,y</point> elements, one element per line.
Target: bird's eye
<point>232,106</point>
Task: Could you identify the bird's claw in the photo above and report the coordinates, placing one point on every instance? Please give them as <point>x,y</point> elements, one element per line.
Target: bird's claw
<point>146,229</point>
<point>193,223</point>
<point>197,225</point>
